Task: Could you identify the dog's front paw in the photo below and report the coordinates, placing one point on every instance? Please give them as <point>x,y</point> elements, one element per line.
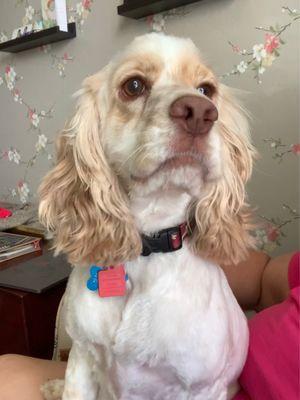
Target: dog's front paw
<point>53,390</point>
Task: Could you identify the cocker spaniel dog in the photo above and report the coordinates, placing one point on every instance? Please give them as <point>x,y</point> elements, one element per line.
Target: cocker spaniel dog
<point>146,199</point>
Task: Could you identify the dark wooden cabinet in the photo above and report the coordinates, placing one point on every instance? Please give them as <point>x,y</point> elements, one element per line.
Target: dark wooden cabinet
<point>31,288</point>
<point>28,321</point>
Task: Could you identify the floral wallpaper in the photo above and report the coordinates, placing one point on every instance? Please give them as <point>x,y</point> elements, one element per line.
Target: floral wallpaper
<point>78,13</point>
<point>36,88</point>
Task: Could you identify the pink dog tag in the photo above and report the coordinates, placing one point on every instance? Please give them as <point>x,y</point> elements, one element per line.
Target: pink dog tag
<point>112,282</point>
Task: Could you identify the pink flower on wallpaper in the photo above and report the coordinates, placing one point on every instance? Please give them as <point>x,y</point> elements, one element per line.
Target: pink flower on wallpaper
<point>272,233</point>
<point>296,148</point>
<point>10,77</point>
<point>87,4</point>
<point>23,191</point>
<point>34,118</point>
<point>236,49</point>
<point>81,12</point>
<point>271,43</point>
<point>17,95</point>
<point>10,73</point>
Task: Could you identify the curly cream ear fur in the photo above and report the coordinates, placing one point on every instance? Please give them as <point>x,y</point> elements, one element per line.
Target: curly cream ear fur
<point>222,218</point>
<point>81,200</point>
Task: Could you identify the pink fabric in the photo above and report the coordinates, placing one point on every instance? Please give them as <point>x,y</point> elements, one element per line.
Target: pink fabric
<point>4,213</point>
<point>271,371</point>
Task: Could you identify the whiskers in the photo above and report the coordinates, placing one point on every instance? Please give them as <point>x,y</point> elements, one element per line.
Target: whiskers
<point>146,146</point>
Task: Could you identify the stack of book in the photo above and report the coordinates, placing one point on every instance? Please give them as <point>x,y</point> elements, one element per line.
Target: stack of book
<point>12,245</point>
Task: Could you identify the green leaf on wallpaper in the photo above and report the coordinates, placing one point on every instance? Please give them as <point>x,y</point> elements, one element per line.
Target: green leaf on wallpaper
<point>278,27</point>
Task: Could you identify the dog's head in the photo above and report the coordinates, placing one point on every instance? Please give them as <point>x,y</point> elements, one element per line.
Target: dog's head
<point>154,118</point>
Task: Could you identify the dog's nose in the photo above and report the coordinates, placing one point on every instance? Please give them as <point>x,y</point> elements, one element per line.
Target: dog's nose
<point>194,115</point>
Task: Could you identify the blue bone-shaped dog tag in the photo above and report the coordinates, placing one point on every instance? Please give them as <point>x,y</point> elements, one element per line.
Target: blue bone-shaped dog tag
<point>92,283</point>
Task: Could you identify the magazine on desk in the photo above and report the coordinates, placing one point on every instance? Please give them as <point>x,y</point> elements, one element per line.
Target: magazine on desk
<point>13,245</point>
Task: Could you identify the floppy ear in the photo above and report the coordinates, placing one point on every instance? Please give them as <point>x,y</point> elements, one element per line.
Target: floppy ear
<point>81,199</point>
<point>222,218</point>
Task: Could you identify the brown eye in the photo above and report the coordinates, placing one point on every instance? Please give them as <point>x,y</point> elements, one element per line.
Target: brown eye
<point>134,87</point>
<point>206,89</point>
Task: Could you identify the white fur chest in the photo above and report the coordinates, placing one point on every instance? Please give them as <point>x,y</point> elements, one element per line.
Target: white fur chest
<point>178,334</point>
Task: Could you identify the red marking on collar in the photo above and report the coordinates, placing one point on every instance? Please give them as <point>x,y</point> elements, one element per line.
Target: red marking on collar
<point>183,230</point>
<point>177,238</point>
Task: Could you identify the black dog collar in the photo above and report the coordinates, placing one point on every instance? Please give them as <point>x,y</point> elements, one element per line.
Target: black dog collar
<point>164,241</point>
